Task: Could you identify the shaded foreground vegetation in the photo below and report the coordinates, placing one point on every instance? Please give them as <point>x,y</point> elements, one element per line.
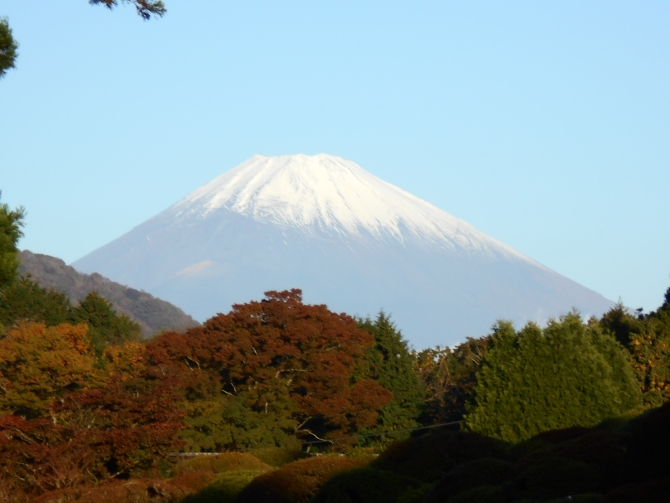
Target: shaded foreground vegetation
<point>614,462</point>
<point>311,405</point>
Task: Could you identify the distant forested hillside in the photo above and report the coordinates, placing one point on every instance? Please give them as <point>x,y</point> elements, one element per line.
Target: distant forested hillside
<point>151,313</point>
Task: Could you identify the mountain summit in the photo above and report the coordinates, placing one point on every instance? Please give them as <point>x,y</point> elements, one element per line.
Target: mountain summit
<point>328,194</point>
<point>348,239</point>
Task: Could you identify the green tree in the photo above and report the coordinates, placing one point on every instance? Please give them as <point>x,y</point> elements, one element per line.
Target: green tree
<point>8,47</point>
<point>11,222</point>
<point>391,364</point>
<point>622,324</point>
<point>24,299</point>
<point>569,374</point>
<point>105,326</point>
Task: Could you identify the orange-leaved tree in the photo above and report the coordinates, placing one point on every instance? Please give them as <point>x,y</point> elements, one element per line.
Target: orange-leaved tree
<point>69,419</point>
<point>269,371</point>
<point>39,364</point>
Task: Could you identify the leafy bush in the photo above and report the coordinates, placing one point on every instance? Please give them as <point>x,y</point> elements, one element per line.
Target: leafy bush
<point>649,445</point>
<point>556,478</point>
<point>226,462</point>
<point>431,456</point>
<point>297,482</point>
<point>366,484</point>
<point>279,456</point>
<point>648,491</point>
<point>193,480</point>
<point>225,488</point>
<point>482,494</point>
<point>468,476</point>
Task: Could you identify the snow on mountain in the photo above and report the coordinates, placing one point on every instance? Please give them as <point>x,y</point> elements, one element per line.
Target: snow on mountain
<point>330,194</point>
<point>348,239</point>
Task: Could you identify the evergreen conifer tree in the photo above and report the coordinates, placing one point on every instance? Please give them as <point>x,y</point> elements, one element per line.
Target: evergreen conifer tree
<point>569,374</point>
<point>391,364</point>
<point>105,326</point>
<point>24,299</point>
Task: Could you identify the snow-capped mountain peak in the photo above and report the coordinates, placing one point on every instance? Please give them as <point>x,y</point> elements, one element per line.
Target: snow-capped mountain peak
<point>347,239</point>
<point>329,194</point>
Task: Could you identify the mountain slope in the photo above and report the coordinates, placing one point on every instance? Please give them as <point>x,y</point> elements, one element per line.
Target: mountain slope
<point>151,313</point>
<point>344,236</point>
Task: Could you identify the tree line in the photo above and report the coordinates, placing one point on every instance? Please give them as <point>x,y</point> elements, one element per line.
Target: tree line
<point>84,400</point>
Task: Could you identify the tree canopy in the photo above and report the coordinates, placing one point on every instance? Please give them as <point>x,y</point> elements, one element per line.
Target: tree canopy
<point>39,364</point>
<point>647,338</point>
<point>270,371</point>
<point>105,326</point>
<point>70,417</point>
<point>569,374</point>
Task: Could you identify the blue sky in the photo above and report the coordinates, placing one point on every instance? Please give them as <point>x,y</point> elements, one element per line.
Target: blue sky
<point>545,125</point>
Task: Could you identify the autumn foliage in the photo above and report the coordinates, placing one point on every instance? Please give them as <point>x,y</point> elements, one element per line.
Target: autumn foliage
<point>277,364</point>
<point>39,364</point>
<point>72,420</point>
<point>90,412</point>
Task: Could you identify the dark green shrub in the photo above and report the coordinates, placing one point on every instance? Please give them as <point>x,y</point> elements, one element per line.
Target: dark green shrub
<point>649,445</point>
<point>225,488</point>
<point>577,498</point>
<point>279,456</point>
<point>483,494</point>
<point>562,435</point>
<point>603,450</point>
<point>296,482</point>
<point>468,476</point>
<point>555,478</point>
<point>430,457</point>
<point>193,480</point>
<point>651,491</point>
<point>414,494</point>
<point>365,484</point>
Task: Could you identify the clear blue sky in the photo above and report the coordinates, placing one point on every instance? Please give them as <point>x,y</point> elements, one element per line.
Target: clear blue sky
<point>545,125</point>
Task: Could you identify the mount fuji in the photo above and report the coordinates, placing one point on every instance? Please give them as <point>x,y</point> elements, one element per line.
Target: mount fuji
<point>347,239</point>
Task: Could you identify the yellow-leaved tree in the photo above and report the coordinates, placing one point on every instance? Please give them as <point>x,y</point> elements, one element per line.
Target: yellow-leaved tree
<point>39,364</point>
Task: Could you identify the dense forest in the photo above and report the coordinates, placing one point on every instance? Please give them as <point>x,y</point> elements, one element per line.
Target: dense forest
<point>281,401</point>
